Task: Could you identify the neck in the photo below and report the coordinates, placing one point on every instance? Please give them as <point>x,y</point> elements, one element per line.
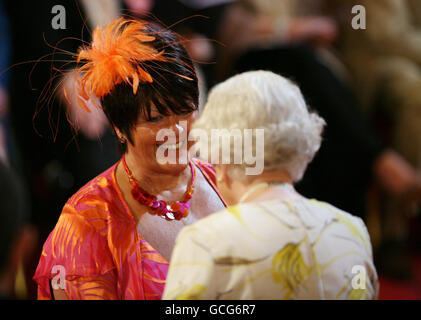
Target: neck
<point>272,177</point>
<point>155,181</point>
<point>268,186</point>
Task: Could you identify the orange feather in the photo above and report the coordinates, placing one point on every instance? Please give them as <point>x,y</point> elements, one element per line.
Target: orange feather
<point>95,103</point>
<point>83,104</point>
<point>185,77</point>
<point>114,57</point>
<point>82,92</point>
<point>145,76</point>
<point>135,82</point>
<point>65,96</point>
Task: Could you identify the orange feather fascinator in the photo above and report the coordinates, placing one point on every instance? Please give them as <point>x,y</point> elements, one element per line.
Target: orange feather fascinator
<point>115,55</point>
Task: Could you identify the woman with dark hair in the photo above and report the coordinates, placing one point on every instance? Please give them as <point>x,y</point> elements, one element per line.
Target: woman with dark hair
<point>115,236</point>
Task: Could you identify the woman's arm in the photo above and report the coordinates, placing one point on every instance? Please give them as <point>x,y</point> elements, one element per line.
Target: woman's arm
<point>76,258</point>
<point>89,288</point>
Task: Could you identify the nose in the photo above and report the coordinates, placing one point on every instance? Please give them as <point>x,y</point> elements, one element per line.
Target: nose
<point>180,129</point>
<point>177,125</point>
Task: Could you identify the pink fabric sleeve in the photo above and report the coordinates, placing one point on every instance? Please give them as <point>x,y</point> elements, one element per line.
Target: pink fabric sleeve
<point>78,248</point>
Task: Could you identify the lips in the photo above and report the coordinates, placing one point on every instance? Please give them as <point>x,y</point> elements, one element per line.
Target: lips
<point>174,146</point>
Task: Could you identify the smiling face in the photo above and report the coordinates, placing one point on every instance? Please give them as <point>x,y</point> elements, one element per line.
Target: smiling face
<point>145,143</point>
<point>171,97</point>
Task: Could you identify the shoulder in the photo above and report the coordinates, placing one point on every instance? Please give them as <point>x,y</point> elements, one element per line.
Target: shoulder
<point>346,238</point>
<point>218,228</point>
<point>87,212</point>
<point>99,186</point>
<point>351,225</point>
<point>342,216</point>
<point>96,200</point>
<point>203,230</point>
<point>91,212</point>
<point>79,241</point>
<point>80,235</point>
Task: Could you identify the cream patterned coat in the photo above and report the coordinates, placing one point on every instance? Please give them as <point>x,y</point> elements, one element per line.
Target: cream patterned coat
<point>298,249</point>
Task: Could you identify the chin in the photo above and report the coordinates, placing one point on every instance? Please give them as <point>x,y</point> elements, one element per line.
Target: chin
<point>179,159</point>
<point>172,168</point>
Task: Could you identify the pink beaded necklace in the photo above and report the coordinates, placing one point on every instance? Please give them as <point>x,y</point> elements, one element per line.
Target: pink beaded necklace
<point>177,210</point>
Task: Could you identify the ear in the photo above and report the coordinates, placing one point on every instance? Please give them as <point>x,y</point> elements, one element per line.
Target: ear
<point>118,132</point>
<point>194,116</point>
<point>120,136</point>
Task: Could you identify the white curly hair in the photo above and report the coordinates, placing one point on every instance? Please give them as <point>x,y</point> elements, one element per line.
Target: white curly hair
<point>265,100</point>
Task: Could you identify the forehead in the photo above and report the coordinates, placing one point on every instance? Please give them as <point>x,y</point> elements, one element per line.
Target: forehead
<point>154,109</point>
<point>163,108</point>
<point>162,105</point>
<point>151,112</point>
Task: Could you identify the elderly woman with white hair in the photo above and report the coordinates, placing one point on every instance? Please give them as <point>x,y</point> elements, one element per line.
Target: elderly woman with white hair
<point>271,242</point>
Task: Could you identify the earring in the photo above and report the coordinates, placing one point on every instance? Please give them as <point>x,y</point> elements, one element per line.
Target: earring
<point>121,139</point>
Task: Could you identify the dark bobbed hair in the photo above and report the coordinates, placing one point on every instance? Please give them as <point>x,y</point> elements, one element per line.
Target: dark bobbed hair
<point>174,89</point>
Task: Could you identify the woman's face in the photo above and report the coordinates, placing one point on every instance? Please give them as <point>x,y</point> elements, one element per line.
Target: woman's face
<point>150,144</point>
